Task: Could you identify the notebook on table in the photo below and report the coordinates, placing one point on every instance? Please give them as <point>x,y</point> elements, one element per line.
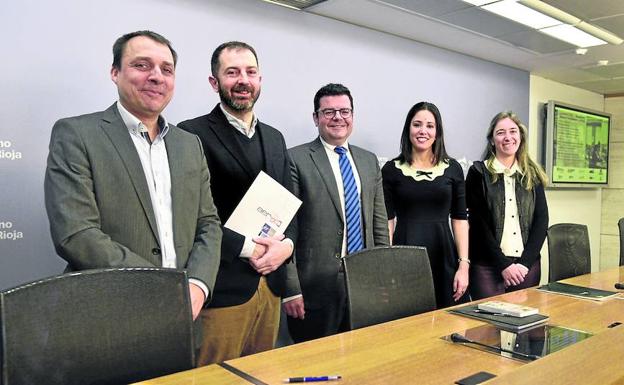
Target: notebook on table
<point>578,291</point>
<point>505,322</point>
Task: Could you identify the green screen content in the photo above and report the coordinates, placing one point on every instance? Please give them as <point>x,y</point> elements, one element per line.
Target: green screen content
<point>581,147</point>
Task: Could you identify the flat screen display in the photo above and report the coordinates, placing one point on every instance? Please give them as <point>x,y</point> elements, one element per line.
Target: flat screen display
<point>576,146</point>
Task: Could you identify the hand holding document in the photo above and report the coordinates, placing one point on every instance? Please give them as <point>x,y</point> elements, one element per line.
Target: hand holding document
<point>266,209</point>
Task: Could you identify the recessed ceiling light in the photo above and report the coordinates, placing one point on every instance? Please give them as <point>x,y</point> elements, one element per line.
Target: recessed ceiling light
<point>603,62</point>
<point>581,51</point>
<point>521,14</point>
<point>573,36</point>
<point>551,11</point>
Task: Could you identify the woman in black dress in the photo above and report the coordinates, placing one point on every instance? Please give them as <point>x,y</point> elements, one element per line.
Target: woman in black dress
<point>422,187</point>
<point>508,212</point>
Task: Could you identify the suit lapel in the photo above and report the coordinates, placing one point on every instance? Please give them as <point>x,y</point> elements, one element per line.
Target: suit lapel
<point>116,130</point>
<point>267,151</point>
<point>224,131</point>
<point>176,169</point>
<point>320,160</point>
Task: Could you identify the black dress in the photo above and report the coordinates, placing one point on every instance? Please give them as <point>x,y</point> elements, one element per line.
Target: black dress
<point>421,201</point>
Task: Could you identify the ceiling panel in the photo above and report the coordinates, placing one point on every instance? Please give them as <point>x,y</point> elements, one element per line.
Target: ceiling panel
<point>589,9</point>
<point>537,42</point>
<point>567,76</point>
<point>612,24</point>
<point>460,27</point>
<point>484,22</point>
<point>608,71</point>
<point>432,8</point>
<point>611,86</point>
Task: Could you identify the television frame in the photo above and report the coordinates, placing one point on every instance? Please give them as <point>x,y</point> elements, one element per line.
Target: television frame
<point>549,144</point>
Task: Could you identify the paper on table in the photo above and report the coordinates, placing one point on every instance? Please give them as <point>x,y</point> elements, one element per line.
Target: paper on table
<point>266,209</point>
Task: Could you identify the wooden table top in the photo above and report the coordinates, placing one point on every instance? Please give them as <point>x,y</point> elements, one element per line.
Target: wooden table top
<point>410,350</point>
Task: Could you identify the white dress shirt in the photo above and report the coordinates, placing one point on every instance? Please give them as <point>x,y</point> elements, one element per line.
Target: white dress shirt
<point>511,242</point>
<point>155,163</point>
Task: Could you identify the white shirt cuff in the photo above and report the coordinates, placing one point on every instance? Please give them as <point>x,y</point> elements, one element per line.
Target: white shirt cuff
<point>288,299</point>
<point>291,243</point>
<point>248,247</point>
<point>201,286</point>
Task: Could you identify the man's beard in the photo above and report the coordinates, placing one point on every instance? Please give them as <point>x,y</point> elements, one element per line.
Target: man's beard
<point>233,103</point>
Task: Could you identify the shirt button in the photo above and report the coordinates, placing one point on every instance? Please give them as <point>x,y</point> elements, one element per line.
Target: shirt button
<point>513,216</point>
<point>515,234</point>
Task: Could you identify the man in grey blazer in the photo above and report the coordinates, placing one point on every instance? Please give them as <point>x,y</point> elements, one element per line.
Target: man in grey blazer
<point>335,180</point>
<point>124,188</point>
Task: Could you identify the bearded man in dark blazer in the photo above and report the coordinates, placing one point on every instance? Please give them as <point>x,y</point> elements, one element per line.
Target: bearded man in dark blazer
<point>243,317</point>
<point>125,188</point>
<point>343,211</point>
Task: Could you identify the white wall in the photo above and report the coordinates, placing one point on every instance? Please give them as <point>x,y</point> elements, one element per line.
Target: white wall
<point>565,205</point>
<point>57,57</point>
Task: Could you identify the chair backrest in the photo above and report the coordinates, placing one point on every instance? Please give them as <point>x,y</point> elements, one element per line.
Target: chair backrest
<point>621,227</point>
<point>111,326</point>
<point>568,251</point>
<point>387,283</point>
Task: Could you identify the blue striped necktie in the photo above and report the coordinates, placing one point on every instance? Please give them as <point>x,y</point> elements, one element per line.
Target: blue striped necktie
<point>352,203</point>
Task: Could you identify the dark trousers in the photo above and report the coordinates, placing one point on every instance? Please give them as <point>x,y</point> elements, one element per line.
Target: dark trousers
<point>325,321</point>
<point>487,281</point>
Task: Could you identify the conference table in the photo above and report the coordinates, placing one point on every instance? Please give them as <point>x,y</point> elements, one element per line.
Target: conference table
<point>411,350</point>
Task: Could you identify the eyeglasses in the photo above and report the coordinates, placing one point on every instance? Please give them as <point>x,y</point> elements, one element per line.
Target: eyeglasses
<point>329,113</point>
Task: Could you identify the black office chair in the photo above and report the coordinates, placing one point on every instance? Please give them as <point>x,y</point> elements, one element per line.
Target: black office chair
<point>388,283</point>
<point>621,227</point>
<point>568,251</point>
<point>111,326</point>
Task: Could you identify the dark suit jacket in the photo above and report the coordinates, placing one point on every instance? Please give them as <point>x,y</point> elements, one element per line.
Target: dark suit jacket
<point>232,175</point>
<point>99,205</point>
<point>320,220</point>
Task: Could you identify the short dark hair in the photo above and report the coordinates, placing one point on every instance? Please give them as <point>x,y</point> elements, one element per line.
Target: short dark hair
<point>120,45</point>
<point>439,151</point>
<point>214,61</point>
<point>331,89</point>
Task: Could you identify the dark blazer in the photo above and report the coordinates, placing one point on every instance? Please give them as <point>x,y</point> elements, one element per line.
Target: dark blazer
<point>232,174</point>
<point>321,221</point>
<point>486,202</point>
<point>99,205</point>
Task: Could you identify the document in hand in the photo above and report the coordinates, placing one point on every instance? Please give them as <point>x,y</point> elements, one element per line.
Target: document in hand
<point>266,209</point>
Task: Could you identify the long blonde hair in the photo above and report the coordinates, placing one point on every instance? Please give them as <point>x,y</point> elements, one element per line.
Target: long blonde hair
<point>533,172</point>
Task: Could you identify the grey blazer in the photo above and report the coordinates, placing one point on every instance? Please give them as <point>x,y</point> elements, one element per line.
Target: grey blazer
<point>99,206</point>
<point>321,221</point>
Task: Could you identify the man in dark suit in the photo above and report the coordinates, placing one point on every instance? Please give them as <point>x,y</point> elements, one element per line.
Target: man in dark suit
<point>335,180</point>
<point>243,317</point>
<point>124,188</point>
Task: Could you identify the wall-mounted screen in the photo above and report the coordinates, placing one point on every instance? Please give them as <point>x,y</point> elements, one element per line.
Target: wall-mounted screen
<point>576,146</point>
